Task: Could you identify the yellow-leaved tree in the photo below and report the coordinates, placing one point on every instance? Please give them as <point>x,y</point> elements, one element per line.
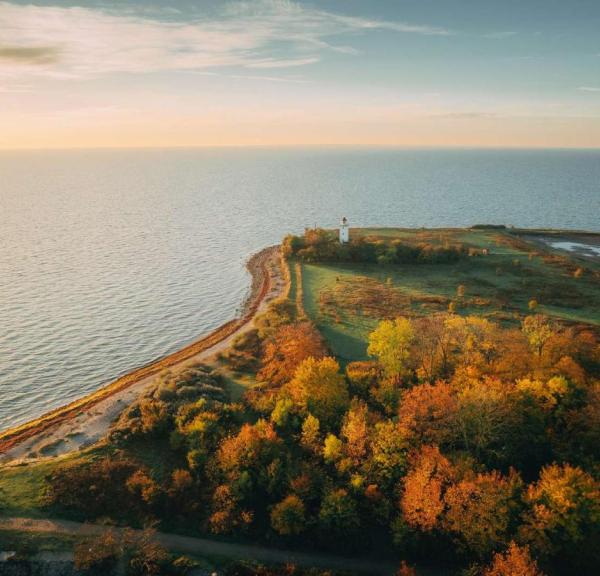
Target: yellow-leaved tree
<point>319,388</point>
<point>390,343</point>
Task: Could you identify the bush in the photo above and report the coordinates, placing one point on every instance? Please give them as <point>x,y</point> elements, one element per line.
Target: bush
<point>94,490</point>
<point>154,413</point>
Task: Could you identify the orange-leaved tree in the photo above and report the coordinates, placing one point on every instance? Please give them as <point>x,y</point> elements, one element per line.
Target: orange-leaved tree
<point>287,349</point>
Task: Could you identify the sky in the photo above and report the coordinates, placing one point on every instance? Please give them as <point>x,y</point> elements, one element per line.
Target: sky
<point>464,73</point>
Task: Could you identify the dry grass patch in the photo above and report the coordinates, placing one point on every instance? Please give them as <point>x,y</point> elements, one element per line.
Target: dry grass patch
<point>363,295</point>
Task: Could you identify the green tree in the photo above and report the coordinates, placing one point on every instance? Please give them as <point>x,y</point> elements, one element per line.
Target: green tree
<point>287,517</point>
<point>338,515</point>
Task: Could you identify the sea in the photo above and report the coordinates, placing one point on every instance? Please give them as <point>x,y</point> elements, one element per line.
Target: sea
<point>112,258</point>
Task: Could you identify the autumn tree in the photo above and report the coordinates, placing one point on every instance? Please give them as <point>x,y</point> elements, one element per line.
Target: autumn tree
<point>563,519</point>
<point>311,435</point>
<point>287,517</point>
<point>227,512</point>
<point>515,561</point>
<point>422,500</point>
<point>538,330</point>
<point>406,570</point>
<point>390,343</point>
<point>355,432</point>
<point>474,341</point>
<point>287,349</point>
<point>427,414</point>
<point>389,449</point>
<point>484,418</point>
<point>142,486</point>
<point>319,388</point>
<point>481,510</point>
<point>547,393</point>
<point>332,448</point>
<point>253,461</point>
<point>432,347</point>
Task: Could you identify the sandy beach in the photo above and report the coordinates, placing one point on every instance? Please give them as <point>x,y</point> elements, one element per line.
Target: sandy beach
<point>87,420</point>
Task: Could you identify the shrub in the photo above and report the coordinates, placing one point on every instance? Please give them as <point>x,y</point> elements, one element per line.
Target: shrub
<point>93,489</point>
<point>244,353</point>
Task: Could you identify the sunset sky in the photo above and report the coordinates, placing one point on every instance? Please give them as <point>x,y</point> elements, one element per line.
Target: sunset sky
<point>276,72</point>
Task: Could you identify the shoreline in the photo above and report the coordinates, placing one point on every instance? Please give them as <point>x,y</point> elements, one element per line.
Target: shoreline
<point>262,283</point>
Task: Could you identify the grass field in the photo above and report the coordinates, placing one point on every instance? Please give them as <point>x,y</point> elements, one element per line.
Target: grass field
<point>22,486</point>
<point>347,300</point>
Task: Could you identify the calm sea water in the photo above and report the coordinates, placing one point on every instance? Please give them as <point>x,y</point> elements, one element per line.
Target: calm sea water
<point>109,259</point>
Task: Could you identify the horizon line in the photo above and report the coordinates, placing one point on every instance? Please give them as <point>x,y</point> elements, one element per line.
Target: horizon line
<point>295,146</point>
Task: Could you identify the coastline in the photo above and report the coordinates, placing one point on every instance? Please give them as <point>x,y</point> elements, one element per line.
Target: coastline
<point>265,285</point>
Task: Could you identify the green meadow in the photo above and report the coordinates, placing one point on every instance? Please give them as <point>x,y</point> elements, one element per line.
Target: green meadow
<point>498,281</point>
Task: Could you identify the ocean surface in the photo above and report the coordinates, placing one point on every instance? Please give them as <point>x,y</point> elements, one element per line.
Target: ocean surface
<point>110,259</point>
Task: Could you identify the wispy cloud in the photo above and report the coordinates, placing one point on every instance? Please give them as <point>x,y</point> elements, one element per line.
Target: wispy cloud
<point>258,77</point>
<point>589,88</point>
<point>80,41</point>
<point>500,35</point>
<point>469,115</point>
<point>282,63</point>
<point>29,54</point>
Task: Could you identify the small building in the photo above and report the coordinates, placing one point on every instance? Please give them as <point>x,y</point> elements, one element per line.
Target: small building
<point>344,231</point>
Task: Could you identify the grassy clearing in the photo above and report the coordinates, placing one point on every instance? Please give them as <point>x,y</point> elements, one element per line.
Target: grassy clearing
<point>23,486</point>
<point>347,300</point>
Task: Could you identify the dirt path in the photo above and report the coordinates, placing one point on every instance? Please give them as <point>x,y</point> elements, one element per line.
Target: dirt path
<point>86,420</point>
<point>210,548</point>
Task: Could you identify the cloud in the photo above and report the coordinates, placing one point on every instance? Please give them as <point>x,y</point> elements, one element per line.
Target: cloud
<point>29,54</point>
<point>275,63</point>
<point>589,88</point>
<point>500,35</point>
<point>474,115</point>
<point>257,77</point>
<point>80,41</point>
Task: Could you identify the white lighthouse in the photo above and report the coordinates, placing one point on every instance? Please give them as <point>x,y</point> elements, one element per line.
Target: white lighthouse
<point>344,231</point>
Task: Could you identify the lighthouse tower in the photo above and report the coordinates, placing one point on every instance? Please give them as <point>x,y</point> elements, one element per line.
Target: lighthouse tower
<point>344,231</point>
